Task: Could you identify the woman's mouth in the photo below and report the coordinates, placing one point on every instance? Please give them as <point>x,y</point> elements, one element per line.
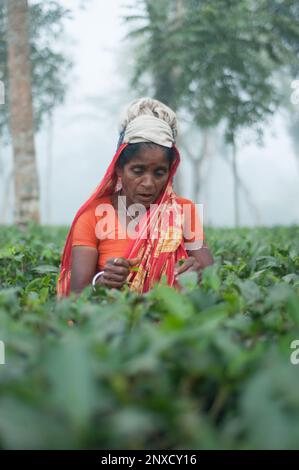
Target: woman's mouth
<point>145,197</point>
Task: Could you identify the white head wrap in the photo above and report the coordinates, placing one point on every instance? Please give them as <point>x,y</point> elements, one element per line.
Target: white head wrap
<point>149,129</point>
<point>148,120</point>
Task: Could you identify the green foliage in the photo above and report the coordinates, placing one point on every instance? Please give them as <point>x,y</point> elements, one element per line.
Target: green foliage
<point>155,54</point>
<point>50,66</point>
<point>221,57</point>
<point>205,368</point>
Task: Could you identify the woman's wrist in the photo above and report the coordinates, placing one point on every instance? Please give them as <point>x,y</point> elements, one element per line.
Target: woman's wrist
<point>97,278</point>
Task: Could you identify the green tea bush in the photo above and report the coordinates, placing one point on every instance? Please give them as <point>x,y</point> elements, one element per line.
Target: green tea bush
<point>205,368</point>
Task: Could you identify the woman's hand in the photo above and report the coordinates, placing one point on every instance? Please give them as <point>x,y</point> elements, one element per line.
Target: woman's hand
<point>197,261</point>
<point>116,271</point>
<point>189,264</point>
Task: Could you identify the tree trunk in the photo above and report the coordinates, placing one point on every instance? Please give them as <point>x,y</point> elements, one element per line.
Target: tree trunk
<point>296,152</point>
<point>207,190</point>
<point>26,207</point>
<point>197,162</point>
<point>198,169</point>
<point>235,184</point>
<point>6,198</point>
<point>246,194</point>
<point>48,180</point>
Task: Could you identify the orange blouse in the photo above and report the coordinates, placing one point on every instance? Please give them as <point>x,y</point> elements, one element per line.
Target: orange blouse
<point>111,239</point>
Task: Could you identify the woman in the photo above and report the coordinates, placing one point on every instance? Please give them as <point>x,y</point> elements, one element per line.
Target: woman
<point>133,227</point>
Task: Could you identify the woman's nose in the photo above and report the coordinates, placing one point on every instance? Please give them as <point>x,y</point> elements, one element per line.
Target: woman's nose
<point>147,181</point>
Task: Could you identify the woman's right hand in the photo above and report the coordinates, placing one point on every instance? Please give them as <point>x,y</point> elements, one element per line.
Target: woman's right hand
<point>116,271</point>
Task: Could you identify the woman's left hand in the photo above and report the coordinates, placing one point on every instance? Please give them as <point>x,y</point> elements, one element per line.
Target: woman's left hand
<point>190,264</point>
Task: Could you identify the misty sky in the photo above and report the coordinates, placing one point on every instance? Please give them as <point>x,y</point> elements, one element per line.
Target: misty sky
<point>86,133</point>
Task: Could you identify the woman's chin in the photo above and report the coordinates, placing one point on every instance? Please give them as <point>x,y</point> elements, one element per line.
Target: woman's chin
<point>146,201</point>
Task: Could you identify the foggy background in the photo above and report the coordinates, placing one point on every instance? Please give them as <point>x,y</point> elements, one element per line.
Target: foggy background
<point>85,134</point>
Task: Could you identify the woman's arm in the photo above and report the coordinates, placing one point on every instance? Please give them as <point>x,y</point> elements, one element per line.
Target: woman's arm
<point>197,261</point>
<point>84,265</point>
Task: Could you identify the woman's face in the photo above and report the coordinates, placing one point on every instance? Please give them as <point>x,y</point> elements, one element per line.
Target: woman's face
<point>145,176</point>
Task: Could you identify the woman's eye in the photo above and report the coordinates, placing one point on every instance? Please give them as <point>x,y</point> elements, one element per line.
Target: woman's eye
<point>137,171</point>
<point>160,174</point>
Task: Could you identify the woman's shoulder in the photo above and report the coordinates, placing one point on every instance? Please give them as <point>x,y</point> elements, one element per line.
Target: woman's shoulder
<point>101,200</point>
<point>92,206</point>
<point>84,227</point>
<point>91,212</point>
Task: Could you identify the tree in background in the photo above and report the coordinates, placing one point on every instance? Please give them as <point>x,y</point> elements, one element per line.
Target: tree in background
<point>291,90</point>
<point>229,52</point>
<point>49,75</point>
<point>233,77</point>
<point>155,59</point>
<point>26,191</point>
<point>293,129</point>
